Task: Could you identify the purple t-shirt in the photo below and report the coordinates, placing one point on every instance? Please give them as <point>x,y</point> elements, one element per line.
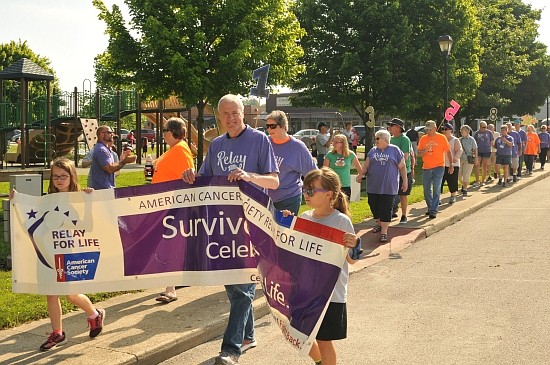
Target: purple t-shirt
<point>483,140</point>
<point>294,161</point>
<point>250,151</point>
<point>544,139</point>
<point>517,142</point>
<point>101,157</point>
<point>383,173</point>
<point>502,148</point>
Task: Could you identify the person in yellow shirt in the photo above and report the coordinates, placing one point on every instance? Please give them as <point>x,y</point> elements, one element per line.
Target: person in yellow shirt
<point>433,147</point>
<point>170,166</point>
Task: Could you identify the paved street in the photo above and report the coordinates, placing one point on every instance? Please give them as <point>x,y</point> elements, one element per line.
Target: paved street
<point>476,292</point>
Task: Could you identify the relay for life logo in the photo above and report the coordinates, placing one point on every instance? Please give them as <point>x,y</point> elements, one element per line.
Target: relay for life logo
<point>61,242</point>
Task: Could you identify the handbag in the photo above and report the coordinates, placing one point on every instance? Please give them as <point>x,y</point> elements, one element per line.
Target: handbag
<point>471,158</point>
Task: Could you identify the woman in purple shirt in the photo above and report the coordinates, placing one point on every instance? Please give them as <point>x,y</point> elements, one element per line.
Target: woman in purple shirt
<point>294,161</point>
<point>383,165</point>
<point>544,137</point>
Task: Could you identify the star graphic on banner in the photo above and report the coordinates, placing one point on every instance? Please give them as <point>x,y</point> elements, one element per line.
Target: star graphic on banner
<point>32,214</point>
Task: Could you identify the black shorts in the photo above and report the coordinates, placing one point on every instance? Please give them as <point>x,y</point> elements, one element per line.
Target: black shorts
<point>484,154</point>
<point>381,206</point>
<point>409,187</point>
<point>503,160</point>
<point>335,323</point>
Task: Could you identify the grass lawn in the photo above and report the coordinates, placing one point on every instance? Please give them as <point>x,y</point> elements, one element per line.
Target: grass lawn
<point>16,309</point>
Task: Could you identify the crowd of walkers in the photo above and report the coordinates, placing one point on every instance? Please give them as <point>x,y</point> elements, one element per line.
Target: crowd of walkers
<point>283,167</point>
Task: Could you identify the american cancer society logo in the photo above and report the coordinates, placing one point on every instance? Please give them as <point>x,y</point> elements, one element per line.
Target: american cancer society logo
<point>76,266</point>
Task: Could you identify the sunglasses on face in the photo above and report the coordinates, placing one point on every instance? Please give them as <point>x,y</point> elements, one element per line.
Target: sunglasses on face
<point>271,126</point>
<point>108,132</point>
<point>310,192</point>
<point>165,130</point>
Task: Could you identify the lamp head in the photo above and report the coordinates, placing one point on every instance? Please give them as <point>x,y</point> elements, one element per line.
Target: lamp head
<point>445,44</point>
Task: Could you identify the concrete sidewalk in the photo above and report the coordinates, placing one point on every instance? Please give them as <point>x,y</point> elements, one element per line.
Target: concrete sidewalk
<point>138,329</point>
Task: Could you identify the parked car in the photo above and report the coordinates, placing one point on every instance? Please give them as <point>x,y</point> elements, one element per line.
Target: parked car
<point>310,133</point>
<point>124,134</point>
<point>360,130</point>
<point>149,133</point>
<point>421,131</point>
<point>15,136</point>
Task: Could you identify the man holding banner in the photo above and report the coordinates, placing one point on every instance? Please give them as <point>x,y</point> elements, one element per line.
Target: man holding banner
<point>243,153</point>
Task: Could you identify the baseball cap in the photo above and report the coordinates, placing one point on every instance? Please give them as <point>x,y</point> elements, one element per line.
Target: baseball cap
<point>321,124</point>
<point>430,124</point>
<point>447,126</point>
<point>397,121</point>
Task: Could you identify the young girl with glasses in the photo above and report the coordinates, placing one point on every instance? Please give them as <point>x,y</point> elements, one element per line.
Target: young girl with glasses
<point>63,178</point>
<point>322,192</point>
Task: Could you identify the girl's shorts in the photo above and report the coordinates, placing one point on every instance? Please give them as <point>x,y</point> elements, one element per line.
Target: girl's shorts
<point>335,323</point>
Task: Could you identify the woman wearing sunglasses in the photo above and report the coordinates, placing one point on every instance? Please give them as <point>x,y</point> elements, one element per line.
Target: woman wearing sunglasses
<point>383,165</point>
<point>294,161</point>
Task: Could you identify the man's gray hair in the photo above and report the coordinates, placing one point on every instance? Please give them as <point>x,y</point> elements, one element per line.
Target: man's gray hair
<point>231,98</point>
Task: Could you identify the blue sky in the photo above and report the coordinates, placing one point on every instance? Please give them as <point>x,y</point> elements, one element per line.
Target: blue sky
<point>69,33</point>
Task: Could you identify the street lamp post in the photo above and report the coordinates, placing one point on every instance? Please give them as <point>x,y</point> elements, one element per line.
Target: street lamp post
<point>445,44</point>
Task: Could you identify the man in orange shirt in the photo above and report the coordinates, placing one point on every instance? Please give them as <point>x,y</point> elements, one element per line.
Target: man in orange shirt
<point>432,147</point>
<point>170,166</point>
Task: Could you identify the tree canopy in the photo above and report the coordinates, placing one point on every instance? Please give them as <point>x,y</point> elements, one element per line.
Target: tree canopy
<point>385,54</point>
<point>512,61</point>
<point>12,52</point>
<point>198,50</point>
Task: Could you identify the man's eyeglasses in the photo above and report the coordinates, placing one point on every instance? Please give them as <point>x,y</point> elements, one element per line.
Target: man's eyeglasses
<point>311,192</point>
<point>109,132</point>
<point>271,126</point>
<point>165,130</point>
<point>60,177</point>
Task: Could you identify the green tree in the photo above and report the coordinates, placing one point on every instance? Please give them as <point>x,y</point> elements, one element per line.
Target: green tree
<point>385,54</point>
<point>353,51</point>
<point>511,61</point>
<point>198,50</point>
<point>12,52</point>
<point>430,19</point>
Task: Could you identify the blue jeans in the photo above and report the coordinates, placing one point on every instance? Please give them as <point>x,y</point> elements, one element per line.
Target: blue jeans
<point>293,204</point>
<point>240,324</point>
<point>431,179</point>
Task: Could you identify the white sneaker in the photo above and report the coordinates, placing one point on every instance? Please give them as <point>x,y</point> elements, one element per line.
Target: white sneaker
<point>227,359</point>
<point>248,344</point>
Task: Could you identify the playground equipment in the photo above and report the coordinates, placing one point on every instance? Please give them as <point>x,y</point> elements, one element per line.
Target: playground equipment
<point>173,107</point>
<point>52,125</point>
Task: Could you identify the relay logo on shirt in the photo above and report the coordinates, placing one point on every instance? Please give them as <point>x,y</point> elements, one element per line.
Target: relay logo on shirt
<point>381,157</point>
<point>230,162</point>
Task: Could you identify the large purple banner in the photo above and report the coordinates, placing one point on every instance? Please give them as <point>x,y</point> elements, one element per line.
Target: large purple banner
<point>210,233</point>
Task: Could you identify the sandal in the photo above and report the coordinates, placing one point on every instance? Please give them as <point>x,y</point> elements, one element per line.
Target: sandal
<point>383,237</point>
<point>166,298</point>
<point>376,229</point>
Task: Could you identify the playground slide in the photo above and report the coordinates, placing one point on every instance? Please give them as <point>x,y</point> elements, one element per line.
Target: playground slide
<point>59,143</point>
